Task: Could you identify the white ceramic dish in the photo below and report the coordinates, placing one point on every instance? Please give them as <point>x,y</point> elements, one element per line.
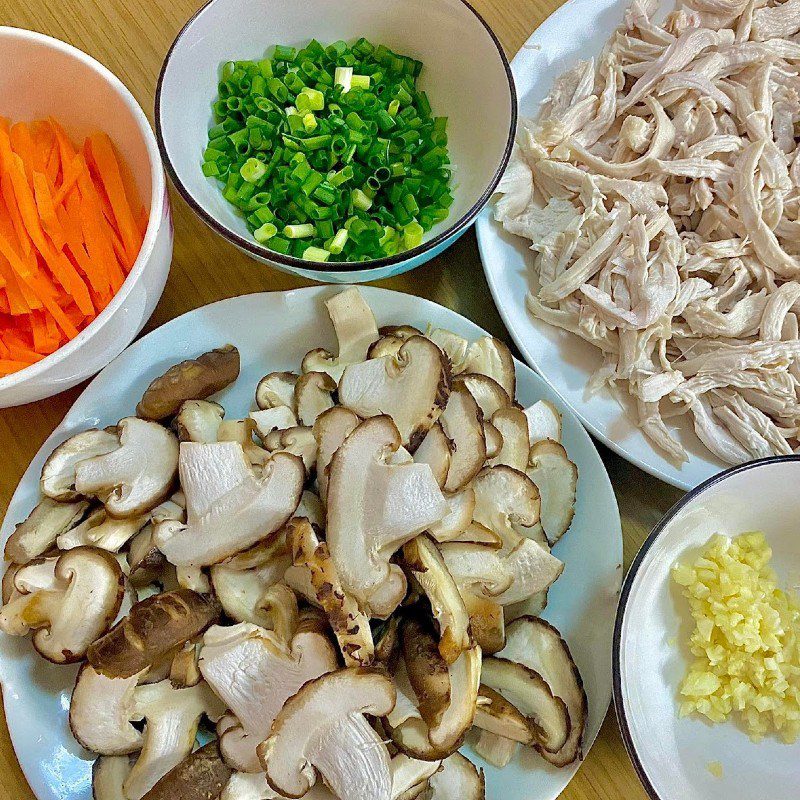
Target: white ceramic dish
<point>85,97</point>
<point>273,331</point>
<point>465,72</point>
<point>671,755</point>
<point>578,29</point>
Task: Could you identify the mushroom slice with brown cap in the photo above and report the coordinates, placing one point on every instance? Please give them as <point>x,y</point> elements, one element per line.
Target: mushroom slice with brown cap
<point>447,693</point>
<point>313,563</point>
<point>488,393</point>
<point>184,670</point>
<point>373,509</point>
<point>487,623</point>
<point>276,389</point>
<point>504,497</point>
<point>435,451</point>
<point>425,562</point>
<point>544,422</point>
<point>153,628</point>
<point>241,586</point>
<point>322,730</point>
<point>297,441</point>
<point>556,477</point>
<point>355,327</point>
<point>313,395</point>
<point>497,715</point>
<point>255,672</point>
<point>38,533</point>
<point>137,475</point>
<point>254,786</point>
<point>58,472</point>
<point>412,388</point>
<point>490,357</point>
<point>539,646</point>
<point>70,610</point>
<point>199,421</point>
<point>512,424</point>
<point>330,430</point>
<point>241,431</point>
<point>476,533</point>
<point>457,518</point>
<point>108,777</point>
<point>200,776</point>
<point>228,508</point>
<point>494,439</point>
<point>458,779</point>
<point>102,531</point>
<point>528,691</point>
<point>194,379</point>
<point>462,422</point>
<point>278,418</point>
<point>103,709</point>
<point>455,347</point>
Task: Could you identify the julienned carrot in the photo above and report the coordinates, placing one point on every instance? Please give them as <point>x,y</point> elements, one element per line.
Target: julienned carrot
<point>105,160</point>
<point>70,229</point>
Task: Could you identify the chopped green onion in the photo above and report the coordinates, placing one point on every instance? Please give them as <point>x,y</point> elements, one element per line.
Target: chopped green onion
<point>360,200</point>
<point>316,254</point>
<point>330,153</point>
<point>253,170</point>
<point>265,232</point>
<point>343,77</point>
<point>299,231</point>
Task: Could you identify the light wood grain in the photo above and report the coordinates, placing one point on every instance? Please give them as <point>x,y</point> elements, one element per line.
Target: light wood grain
<point>131,37</point>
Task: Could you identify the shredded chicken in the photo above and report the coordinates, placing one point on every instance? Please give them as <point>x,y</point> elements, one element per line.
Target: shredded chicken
<point>660,190</point>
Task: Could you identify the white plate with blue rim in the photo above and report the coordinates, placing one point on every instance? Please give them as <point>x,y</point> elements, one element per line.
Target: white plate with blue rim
<point>273,331</point>
<point>577,30</point>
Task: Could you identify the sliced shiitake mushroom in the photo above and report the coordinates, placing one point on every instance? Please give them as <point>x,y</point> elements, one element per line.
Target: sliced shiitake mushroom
<point>512,425</point>
<point>38,533</point>
<point>58,472</point>
<point>556,477</point>
<point>530,693</point>
<point>458,779</point>
<point>488,393</point>
<point>198,421</point>
<point>462,422</point>
<point>313,394</point>
<point>276,389</point>
<point>544,422</point>
<point>152,628</point>
<point>201,775</point>
<point>425,562</point>
<point>412,388</point>
<point>194,379</point>
<point>539,646</point>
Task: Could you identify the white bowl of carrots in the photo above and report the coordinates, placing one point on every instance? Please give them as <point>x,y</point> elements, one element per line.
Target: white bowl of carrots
<point>85,226</point>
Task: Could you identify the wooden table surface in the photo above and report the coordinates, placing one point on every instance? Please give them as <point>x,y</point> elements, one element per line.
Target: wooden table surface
<point>131,37</point>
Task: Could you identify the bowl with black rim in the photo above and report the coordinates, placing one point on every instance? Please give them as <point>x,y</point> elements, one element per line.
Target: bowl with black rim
<point>465,75</point>
<point>688,758</point>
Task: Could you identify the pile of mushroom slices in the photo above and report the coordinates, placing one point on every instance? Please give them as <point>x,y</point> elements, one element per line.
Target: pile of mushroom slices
<point>343,597</point>
<point>660,190</point>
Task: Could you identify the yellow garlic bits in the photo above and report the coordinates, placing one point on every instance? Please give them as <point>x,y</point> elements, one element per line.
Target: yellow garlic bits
<point>745,639</point>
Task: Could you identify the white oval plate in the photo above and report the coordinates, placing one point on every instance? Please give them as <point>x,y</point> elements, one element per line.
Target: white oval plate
<point>672,755</point>
<point>273,331</point>
<point>578,30</point>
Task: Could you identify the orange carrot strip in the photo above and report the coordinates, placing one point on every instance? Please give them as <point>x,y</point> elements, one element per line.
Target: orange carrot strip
<point>5,306</point>
<point>53,332</point>
<point>94,272</point>
<point>53,162</point>
<point>142,220</point>
<point>47,213</point>
<point>60,267</point>
<point>10,201</point>
<point>102,152</point>
<point>71,172</point>
<point>5,149</point>
<point>24,354</point>
<point>93,228</point>
<point>5,124</point>
<point>7,367</point>
<point>22,145</point>
<point>65,146</point>
<point>16,302</point>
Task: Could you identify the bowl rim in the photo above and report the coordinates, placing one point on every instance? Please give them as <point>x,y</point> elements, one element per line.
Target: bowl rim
<point>303,266</point>
<point>158,204</point>
<point>616,678</point>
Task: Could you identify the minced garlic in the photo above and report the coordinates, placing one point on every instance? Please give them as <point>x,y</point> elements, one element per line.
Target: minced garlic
<point>745,639</point>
